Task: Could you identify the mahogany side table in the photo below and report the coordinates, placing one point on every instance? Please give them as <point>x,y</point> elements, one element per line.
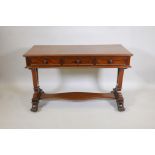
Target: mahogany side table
<point>97,56</point>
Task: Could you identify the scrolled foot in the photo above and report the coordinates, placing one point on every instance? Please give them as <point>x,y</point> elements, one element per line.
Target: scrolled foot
<point>35,100</point>
<point>34,108</point>
<point>120,107</point>
<point>119,100</point>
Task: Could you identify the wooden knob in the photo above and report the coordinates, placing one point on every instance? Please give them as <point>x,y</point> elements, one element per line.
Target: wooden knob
<point>110,61</point>
<point>45,61</point>
<point>77,61</point>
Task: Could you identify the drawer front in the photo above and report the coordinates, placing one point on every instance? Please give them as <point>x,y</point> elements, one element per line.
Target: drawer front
<point>97,61</point>
<point>112,61</point>
<point>45,61</point>
<point>77,61</point>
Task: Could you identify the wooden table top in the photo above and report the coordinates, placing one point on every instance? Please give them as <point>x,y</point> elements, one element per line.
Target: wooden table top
<point>82,50</point>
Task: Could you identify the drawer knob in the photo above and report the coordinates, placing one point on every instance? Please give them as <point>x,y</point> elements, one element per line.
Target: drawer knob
<point>45,61</point>
<point>110,61</point>
<point>77,61</point>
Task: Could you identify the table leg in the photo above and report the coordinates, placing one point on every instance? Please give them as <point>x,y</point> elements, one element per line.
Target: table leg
<point>117,91</point>
<point>37,91</point>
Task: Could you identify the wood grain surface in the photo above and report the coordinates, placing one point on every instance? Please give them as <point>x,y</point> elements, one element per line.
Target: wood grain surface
<point>72,50</point>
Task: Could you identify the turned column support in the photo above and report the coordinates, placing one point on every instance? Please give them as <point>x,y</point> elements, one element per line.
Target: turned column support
<point>120,74</point>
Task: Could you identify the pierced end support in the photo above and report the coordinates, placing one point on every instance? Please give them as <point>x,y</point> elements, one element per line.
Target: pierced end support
<point>35,100</point>
<point>119,100</point>
<point>120,106</point>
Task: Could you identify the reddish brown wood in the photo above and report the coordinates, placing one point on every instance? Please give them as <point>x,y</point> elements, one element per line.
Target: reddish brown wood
<point>120,78</point>
<point>113,60</point>
<point>76,50</point>
<point>77,61</point>
<point>78,95</point>
<point>70,61</point>
<point>97,56</point>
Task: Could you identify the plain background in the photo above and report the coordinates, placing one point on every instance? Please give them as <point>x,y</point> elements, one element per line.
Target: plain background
<point>16,82</point>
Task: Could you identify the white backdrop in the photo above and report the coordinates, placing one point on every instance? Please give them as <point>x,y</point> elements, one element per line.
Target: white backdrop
<point>15,41</point>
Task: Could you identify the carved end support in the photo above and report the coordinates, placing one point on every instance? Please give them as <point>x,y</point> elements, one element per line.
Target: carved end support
<point>35,100</point>
<point>119,99</point>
